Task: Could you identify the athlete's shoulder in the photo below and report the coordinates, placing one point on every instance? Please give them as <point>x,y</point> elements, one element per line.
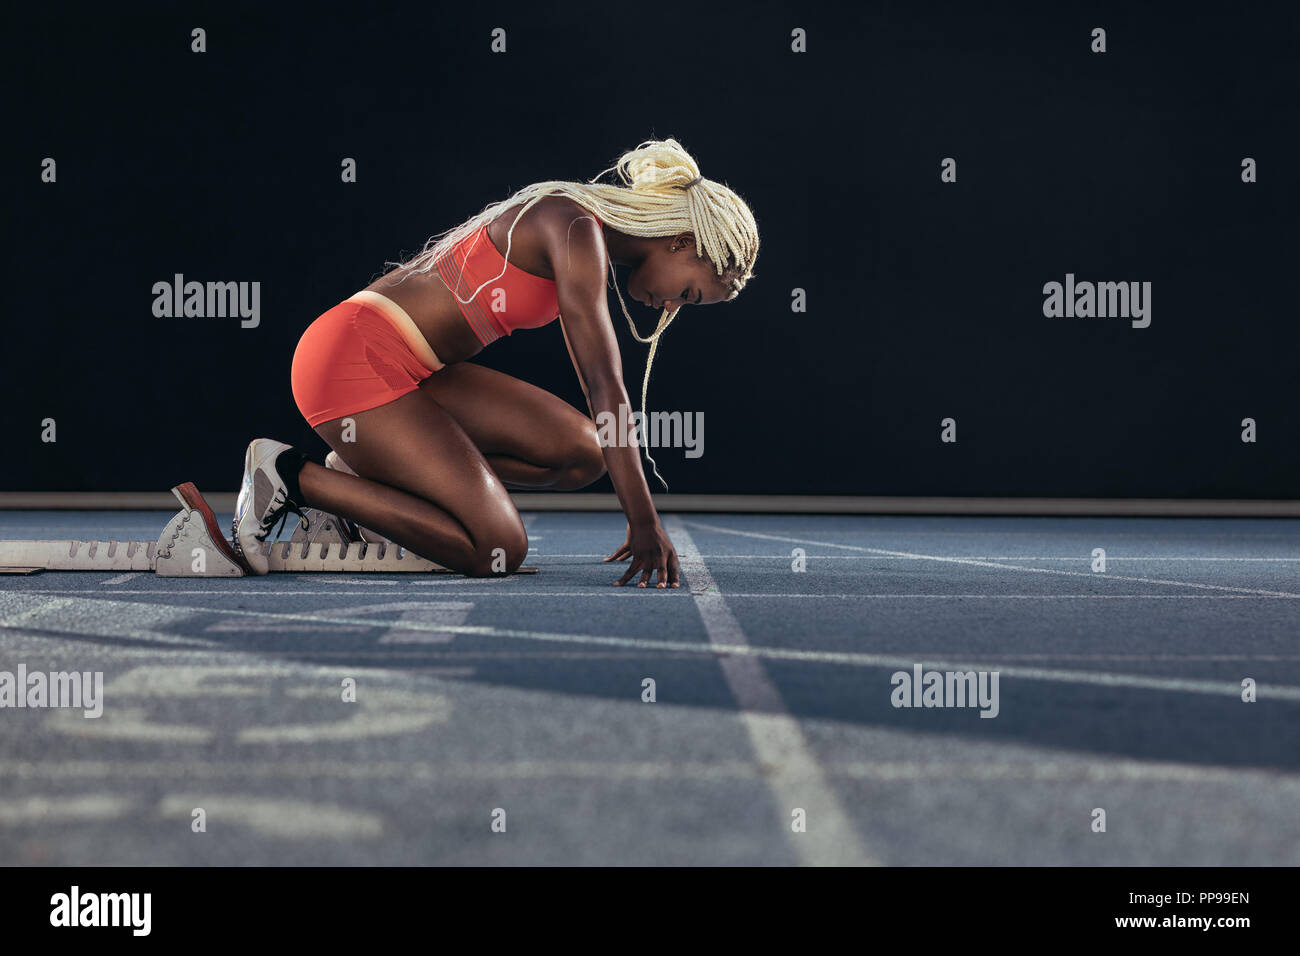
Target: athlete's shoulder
<point>565,214</point>
<point>574,236</point>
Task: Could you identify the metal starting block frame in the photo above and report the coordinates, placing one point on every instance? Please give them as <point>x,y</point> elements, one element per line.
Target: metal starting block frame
<point>192,545</point>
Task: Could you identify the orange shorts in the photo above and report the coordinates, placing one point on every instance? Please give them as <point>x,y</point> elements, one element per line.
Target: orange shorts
<point>363,353</point>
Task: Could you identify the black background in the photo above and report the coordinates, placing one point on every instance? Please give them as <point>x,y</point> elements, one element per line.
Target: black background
<point>924,298</point>
<point>302,906</point>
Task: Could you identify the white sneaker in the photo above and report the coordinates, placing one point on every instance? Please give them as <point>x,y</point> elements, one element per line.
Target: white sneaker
<point>334,460</point>
<point>263,500</point>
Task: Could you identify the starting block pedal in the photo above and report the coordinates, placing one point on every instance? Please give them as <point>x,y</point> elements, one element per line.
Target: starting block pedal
<point>325,528</point>
<point>193,545</point>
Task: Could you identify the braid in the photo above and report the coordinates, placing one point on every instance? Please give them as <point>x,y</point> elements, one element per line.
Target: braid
<point>663,194</point>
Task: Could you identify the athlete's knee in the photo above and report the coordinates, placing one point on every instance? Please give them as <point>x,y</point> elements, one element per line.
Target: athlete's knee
<point>502,552</point>
<point>585,461</point>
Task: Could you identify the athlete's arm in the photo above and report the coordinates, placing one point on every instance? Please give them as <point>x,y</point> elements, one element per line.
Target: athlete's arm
<point>578,258</point>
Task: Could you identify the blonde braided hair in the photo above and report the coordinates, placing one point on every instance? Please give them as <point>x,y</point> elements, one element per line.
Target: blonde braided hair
<point>664,194</point>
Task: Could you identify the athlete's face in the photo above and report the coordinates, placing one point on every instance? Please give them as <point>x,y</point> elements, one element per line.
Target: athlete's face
<point>672,275</point>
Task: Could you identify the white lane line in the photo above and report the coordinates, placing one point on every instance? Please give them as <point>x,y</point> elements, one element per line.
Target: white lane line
<point>1082,559</point>
<point>121,578</point>
<point>370,581</point>
<point>1090,771</point>
<point>432,655</point>
<point>643,594</point>
<point>848,658</point>
<point>1031,597</point>
<point>972,562</point>
<point>1123,557</point>
<point>379,657</point>
<point>445,580</point>
<point>1166,526</point>
<point>793,773</point>
<point>308,655</point>
<point>884,771</point>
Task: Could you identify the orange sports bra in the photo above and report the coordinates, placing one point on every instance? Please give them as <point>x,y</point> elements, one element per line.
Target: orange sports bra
<point>517,300</point>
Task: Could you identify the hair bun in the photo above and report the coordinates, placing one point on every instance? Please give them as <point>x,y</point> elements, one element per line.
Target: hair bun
<point>658,164</point>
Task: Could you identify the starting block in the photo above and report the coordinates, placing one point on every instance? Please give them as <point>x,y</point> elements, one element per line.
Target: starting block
<point>192,545</point>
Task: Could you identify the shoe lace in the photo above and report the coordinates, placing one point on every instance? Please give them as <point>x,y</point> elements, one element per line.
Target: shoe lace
<point>281,507</point>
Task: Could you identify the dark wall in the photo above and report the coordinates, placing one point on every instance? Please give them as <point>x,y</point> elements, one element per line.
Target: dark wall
<point>924,299</point>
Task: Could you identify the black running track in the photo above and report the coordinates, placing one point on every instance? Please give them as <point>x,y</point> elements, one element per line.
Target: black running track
<point>522,699</point>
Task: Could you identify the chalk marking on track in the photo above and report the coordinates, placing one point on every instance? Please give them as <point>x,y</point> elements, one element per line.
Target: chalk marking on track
<point>277,627</point>
<point>61,808</point>
<point>402,712</point>
<point>379,712</point>
<point>136,620</point>
<point>795,777</point>
<point>290,819</point>
<point>972,562</point>
<point>359,726</point>
<point>126,723</point>
<point>16,620</point>
<point>187,682</point>
<point>121,578</point>
<point>430,612</point>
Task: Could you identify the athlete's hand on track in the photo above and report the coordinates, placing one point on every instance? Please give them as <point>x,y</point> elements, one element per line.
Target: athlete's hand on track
<point>650,551</point>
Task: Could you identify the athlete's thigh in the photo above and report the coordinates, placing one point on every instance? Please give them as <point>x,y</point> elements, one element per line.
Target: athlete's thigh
<point>413,444</point>
<point>503,415</point>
